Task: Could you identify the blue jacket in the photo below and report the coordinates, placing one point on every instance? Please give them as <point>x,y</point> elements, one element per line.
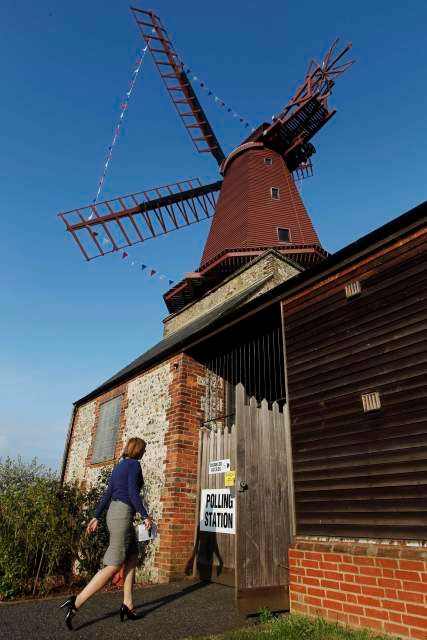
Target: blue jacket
<point>125,484</point>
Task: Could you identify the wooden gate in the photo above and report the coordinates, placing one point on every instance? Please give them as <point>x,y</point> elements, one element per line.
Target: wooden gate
<point>215,552</point>
<point>254,560</point>
<point>263,493</point>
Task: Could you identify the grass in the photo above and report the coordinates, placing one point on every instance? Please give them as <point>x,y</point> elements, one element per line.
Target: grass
<point>296,627</point>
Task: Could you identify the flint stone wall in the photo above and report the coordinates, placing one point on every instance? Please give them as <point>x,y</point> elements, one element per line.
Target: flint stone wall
<point>270,263</point>
<point>80,443</point>
<point>148,401</point>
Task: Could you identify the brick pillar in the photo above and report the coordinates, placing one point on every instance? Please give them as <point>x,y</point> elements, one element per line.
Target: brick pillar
<point>179,494</point>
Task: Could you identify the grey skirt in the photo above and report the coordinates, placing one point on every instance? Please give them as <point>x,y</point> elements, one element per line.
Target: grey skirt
<point>123,542</point>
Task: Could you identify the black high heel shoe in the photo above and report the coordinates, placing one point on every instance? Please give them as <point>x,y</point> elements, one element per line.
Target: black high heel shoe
<point>129,613</point>
<point>70,607</point>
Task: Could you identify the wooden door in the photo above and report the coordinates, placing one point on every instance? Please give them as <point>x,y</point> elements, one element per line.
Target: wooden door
<point>263,526</point>
<point>214,551</point>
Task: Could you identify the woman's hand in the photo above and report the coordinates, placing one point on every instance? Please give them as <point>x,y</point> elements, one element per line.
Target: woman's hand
<point>92,526</point>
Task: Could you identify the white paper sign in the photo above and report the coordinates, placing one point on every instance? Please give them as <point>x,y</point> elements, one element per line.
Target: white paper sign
<point>217,511</point>
<point>219,466</point>
<point>146,534</point>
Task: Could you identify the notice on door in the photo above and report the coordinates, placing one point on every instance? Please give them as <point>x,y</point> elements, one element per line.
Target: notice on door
<point>217,511</point>
<point>219,466</point>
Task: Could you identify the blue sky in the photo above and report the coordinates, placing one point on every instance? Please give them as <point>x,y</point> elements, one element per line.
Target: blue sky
<point>67,325</point>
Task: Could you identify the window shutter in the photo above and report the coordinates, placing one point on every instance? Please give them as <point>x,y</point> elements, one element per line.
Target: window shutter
<point>106,432</point>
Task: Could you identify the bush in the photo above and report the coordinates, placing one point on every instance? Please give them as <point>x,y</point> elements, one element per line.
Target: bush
<point>42,525</point>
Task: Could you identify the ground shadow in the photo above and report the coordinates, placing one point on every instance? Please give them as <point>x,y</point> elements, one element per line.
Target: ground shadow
<point>153,605</point>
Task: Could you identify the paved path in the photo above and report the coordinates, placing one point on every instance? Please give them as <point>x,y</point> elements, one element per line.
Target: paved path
<point>170,612</point>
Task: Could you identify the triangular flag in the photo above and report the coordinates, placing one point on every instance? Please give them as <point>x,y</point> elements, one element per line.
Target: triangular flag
<point>143,266</point>
<point>152,272</point>
<point>124,255</point>
<point>209,92</point>
<point>170,281</point>
<point>229,109</point>
<point>94,233</point>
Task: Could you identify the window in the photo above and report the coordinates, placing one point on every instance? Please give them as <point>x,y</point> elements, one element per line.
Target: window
<point>275,193</point>
<point>268,161</point>
<point>106,432</point>
<point>283,234</point>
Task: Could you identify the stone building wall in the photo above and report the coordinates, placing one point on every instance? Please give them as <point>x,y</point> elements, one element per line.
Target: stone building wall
<point>147,417</point>
<point>269,263</point>
<point>164,406</point>
<point>80,442</point>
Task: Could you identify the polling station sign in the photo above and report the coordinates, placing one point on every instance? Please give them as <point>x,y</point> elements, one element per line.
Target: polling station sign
<point>217,511</point>
<point>218,466</point>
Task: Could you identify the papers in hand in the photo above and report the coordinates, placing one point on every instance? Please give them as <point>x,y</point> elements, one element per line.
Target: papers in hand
<point>147,534</point>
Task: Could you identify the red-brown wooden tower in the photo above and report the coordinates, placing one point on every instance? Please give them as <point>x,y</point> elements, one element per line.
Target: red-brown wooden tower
<point>259,206</point>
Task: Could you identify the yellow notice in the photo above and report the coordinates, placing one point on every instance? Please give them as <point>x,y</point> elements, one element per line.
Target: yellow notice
<point>229,478</point>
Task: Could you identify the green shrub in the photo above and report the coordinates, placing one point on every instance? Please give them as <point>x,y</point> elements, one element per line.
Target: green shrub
<point>265,615</point>
<point>42,525</point>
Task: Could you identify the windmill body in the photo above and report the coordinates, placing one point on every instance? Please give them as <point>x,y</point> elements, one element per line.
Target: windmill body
<point>259,206</point>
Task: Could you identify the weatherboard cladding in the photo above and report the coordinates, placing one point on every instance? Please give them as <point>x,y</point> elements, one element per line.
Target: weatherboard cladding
<point>356,473</point>
<point>247,216</point>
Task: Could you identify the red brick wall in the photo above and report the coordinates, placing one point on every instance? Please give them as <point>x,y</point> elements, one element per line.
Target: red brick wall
<point>378,586</point>
<point>179,497</point>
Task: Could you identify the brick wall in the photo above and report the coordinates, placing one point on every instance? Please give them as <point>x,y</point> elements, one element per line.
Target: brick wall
<point>378,586</point>
<point>179,496</point>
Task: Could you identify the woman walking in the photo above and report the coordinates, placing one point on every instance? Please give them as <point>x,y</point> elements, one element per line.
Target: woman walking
<point>122,496</point>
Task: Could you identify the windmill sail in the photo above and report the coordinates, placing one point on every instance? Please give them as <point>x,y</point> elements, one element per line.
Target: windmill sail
<point>177,83</point>
<point>112,225</point>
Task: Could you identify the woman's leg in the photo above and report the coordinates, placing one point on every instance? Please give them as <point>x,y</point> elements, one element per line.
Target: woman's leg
<point>98,581</point>
<point>129,579</point>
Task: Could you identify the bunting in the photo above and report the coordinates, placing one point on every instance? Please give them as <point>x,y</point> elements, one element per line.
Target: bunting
<point>152,272</point>
<point>123,107</point>
<point>221,103</point>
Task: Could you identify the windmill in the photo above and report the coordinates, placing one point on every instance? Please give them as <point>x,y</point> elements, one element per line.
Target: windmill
<point>255,205</point>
